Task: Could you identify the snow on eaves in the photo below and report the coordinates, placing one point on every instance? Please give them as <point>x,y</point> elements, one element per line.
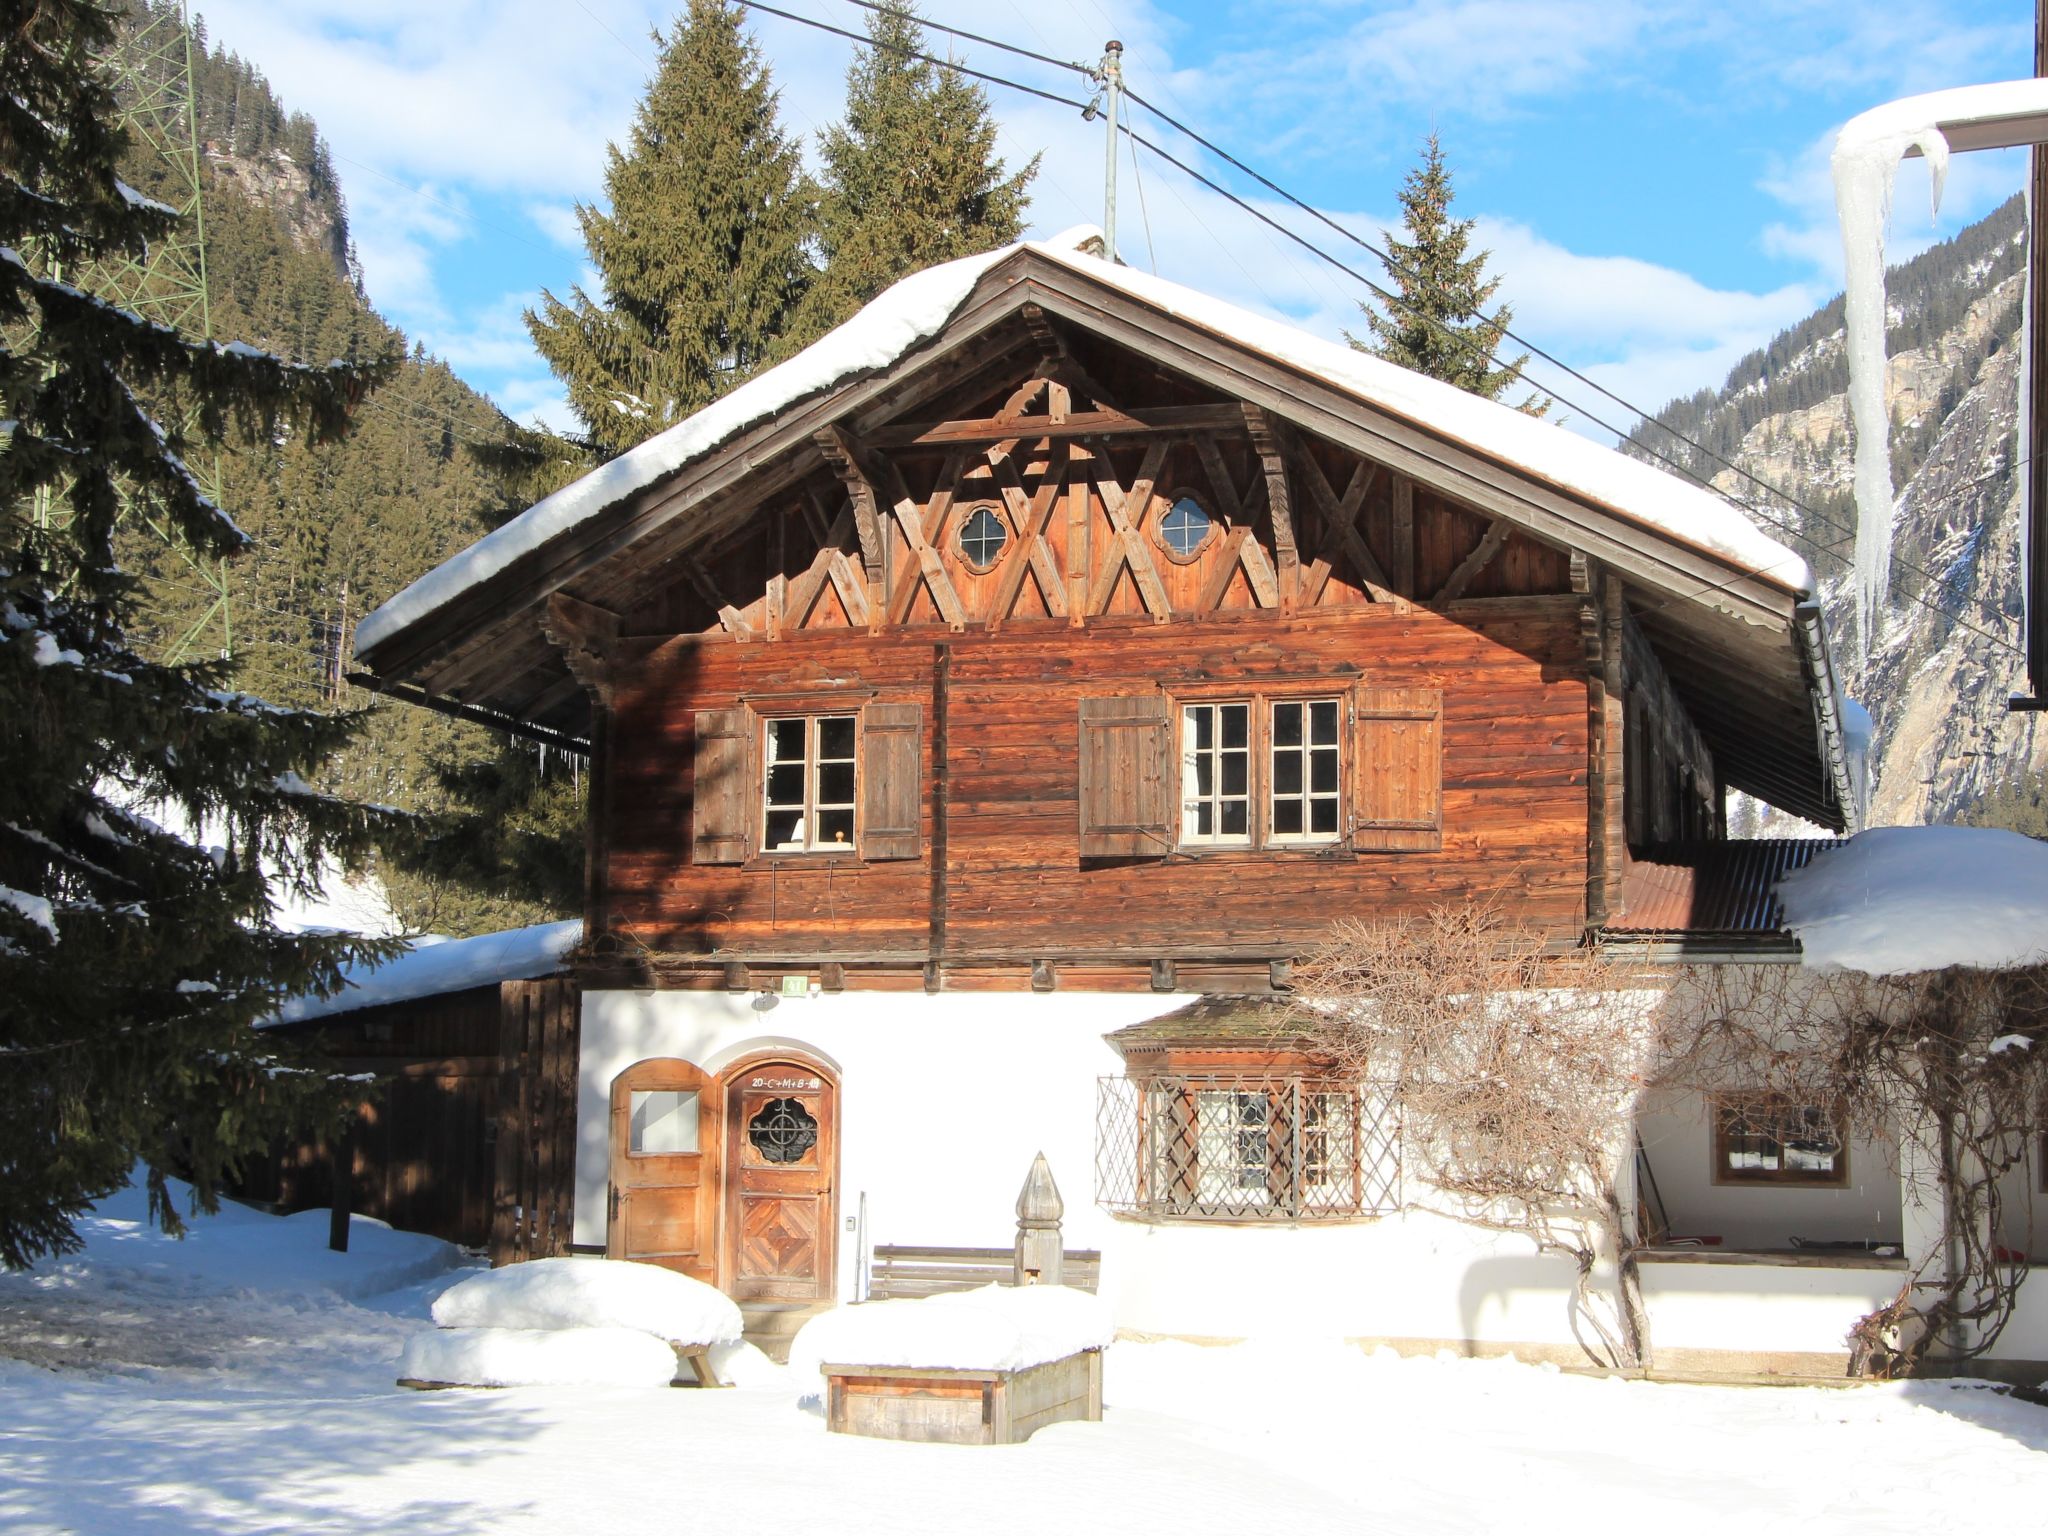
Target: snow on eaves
<point>912,311</point>
<point>430,969</point>
<point>1894,900</point>
<point>919,306</point>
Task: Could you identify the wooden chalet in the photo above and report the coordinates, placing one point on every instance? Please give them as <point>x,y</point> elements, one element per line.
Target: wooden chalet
<point>1053,629</point>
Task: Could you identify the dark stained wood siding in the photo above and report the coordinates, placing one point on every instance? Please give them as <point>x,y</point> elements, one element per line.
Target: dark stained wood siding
<point>1015,880</point>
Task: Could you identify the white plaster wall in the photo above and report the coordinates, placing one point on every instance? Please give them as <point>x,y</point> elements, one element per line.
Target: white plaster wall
<point>1411,1275</point>
<point>1760,1307</point>
<point>944,1100</point>
<point>1678,1139</point>
<point>2026,1334</point>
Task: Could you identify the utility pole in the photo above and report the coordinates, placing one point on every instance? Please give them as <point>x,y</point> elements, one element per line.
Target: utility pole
<point>1109,78</point>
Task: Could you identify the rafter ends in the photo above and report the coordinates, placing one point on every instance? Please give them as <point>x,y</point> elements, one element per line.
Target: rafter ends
<point>585,635</point>
<point>843,454</point>
<point>735,624</point>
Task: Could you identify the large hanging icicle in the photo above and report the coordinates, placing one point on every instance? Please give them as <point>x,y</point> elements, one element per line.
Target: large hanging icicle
<point>1865,164</point>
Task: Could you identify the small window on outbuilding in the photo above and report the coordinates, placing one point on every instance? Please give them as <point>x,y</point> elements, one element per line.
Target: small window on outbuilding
<point>1766,1139</point>
<point>983,537</point>
<point>1185,528</point>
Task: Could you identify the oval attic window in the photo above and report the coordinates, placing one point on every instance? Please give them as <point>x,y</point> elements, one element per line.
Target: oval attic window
<point>1185,528</point>
<point>982,538</point>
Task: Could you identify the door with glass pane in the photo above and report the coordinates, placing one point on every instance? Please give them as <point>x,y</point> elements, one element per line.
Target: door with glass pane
<point>665,1155</point>
<point>782,1139</point>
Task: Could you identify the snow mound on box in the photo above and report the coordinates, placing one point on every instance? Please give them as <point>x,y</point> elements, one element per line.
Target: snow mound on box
<point>995,1328</point>
<point>592,1293</point>
<point>537,1357</point>
<point>1894,900</point>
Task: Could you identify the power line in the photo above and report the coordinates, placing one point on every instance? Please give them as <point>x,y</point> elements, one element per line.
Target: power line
<point>1521,341</point>
<point>976,37</point>
<point>914,53</point>
<point>1684,470</point>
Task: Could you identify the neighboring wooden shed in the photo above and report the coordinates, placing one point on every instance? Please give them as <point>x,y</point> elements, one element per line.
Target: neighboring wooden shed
<point>468,1130</point>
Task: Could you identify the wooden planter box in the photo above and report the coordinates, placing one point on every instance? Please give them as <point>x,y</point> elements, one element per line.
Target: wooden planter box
<point>962,1407</point>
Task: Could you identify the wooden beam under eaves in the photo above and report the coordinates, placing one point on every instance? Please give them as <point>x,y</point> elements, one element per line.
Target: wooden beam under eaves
<point>1156,422</point>
<point>843,454</point>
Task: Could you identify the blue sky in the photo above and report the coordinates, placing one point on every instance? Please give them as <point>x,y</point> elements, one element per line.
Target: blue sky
<point>1651,176</point>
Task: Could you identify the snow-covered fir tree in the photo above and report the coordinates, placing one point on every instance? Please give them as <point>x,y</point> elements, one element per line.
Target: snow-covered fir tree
<point>1436,321</point>
<point>701,247</point>
<point>911,175</point>
<point>133,962</point>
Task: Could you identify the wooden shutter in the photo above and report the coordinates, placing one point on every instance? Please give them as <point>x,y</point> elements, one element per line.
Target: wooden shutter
<point>1397,771</point>
<point>723,792</point>
<point>1126,778</point>
<point>891,780</point>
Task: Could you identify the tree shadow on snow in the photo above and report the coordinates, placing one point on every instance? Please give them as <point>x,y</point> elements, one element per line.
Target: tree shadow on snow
<point>95,1455</point>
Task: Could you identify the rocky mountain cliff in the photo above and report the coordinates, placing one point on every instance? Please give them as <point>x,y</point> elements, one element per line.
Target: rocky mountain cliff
<point>1947,655</point>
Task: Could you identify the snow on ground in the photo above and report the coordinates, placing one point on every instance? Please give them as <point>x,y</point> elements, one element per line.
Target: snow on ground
<point>150,1388</point>
<point>1893,900</point>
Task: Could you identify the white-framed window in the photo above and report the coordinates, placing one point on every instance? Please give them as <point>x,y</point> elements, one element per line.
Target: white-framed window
<point>1302,749</point>
<point>808,784</point>
<point>1261,772</point>
<point>1185,530</point>
<point>1215,773</point>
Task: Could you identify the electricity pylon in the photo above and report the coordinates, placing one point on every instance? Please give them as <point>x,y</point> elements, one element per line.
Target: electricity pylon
<point>152,69</point>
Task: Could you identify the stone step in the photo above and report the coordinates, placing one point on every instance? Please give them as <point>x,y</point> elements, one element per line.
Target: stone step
<point>770,1325</point>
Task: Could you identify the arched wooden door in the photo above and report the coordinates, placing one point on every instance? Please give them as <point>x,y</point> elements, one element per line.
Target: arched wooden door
<point>782,1162</point>
<point>666,1146</point>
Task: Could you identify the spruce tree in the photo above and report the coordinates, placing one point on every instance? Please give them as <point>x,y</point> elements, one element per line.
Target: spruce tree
<point>911,176</point>
<point>133,962</point>
<point>1436,322</point>
<point>702,247</point>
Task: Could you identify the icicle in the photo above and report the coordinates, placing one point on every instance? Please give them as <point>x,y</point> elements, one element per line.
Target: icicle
<point>1865,166</point>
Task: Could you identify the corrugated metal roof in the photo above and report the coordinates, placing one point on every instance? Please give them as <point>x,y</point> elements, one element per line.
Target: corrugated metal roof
<point>1713,887</point>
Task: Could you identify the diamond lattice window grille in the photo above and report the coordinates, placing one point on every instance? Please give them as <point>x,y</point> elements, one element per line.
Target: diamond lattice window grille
<point>1246,1148</point>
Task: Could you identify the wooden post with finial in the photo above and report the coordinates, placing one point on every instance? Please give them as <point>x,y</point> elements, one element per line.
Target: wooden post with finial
<point>1040,1244</point>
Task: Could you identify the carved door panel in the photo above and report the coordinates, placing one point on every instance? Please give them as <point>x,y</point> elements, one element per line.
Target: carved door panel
<point>666,1146</point>
<point>782,1153</point>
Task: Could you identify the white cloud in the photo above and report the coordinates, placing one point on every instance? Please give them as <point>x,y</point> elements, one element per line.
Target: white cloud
<point>559,223</point>
<point>397,232</point>
<point>506,106</point>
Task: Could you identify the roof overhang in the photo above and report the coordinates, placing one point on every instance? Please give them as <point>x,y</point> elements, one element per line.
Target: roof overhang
<point>1745,651</point>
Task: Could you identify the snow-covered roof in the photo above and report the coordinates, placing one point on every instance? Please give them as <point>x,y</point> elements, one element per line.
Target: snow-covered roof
<point>918,307</point>
<point>1894,900</point>
<point>435,966</point>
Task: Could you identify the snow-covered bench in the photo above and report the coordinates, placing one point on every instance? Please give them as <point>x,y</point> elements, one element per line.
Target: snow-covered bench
<point>901,1272</point>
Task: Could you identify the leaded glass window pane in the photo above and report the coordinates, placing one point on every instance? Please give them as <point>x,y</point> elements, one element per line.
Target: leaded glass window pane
<point>982,537</point>
<point>1185,528</point>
